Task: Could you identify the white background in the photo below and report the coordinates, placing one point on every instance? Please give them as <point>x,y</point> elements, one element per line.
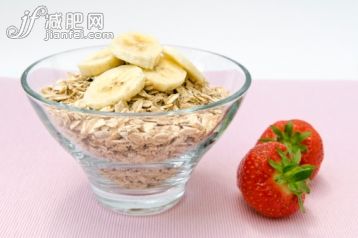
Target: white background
<point>282,39</point>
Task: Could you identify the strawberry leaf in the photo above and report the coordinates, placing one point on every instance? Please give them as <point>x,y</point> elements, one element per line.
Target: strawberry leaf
<point>284,158</point>
<point>288,168</point>
<point>291,174</point>
<point>275,165</point>
<point>293,140</point>
<point>280,180</point>
<point>303,187</point>
<point>299,173</point>
<point>288,129</point>
<point>296,157</point>
<point>304,135</point>
<point>278,133</point>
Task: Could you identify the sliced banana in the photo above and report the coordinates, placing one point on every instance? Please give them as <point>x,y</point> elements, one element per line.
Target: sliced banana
<point>167,75</point>
<point>138,49</point>
<point>114,85</point>
<point>99,62</point>
<point>194,74</point>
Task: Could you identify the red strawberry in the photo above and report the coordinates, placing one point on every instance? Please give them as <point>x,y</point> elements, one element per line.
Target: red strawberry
<point>272,181</point>
<point>297,135</point>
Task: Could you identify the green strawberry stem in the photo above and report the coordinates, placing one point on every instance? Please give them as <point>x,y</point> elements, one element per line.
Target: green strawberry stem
<point>300,203</point>
<point>291,174</point>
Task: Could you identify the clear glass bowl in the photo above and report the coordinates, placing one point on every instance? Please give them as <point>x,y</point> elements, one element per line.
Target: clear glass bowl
<point>137,163</point>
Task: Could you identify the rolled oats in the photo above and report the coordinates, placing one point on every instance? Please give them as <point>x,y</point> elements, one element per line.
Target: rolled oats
<point>137,140</point>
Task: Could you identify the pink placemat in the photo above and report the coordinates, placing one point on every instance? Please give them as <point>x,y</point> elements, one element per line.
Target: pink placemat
<point>44,193</point>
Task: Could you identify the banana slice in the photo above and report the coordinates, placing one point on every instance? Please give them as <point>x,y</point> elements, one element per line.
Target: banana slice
<point>120,83</point>
<point>98,62</point>
<point>194,74</point>
<point>138,49</point>
<point>167,75</point>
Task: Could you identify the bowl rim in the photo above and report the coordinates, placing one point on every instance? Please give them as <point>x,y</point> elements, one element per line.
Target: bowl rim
<point>236,95</point>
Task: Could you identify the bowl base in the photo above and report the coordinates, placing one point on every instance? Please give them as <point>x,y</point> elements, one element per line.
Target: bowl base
<point>140,205</point>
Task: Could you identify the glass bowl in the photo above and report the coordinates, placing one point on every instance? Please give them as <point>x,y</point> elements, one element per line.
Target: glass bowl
<point>137,163</point>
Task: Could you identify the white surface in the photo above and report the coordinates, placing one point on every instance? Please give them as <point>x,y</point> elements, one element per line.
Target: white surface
<point>274,39</point>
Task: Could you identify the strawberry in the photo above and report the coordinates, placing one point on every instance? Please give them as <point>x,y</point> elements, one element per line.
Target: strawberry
<point>297,135</point>
<point>272,181</point>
